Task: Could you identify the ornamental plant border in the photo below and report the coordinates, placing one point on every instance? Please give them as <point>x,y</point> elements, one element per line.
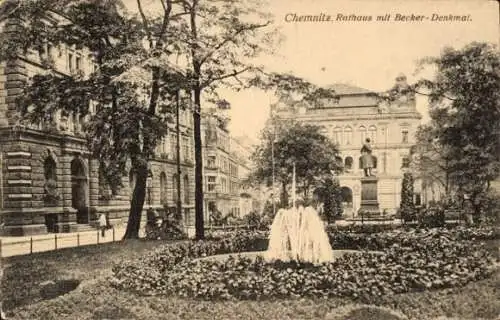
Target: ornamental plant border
<point>412,261</point>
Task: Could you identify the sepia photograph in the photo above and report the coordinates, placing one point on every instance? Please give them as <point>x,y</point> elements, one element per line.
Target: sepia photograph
<point>249,159</point>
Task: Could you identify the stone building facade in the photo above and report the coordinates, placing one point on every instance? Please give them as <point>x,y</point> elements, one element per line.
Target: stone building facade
<point>226,167</point>
<point>48,180</point>
<point>357,114</point>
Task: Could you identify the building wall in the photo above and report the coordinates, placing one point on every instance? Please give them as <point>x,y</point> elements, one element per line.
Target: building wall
<point>225,170</point>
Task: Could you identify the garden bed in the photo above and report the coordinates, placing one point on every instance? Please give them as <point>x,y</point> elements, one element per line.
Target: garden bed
<point>412,261</point>
<point>96,299</point>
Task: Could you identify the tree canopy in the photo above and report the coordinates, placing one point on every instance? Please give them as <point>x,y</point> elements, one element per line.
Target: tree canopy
<point>291,142</point>
<point>129,95</point>
<point>464,109</point>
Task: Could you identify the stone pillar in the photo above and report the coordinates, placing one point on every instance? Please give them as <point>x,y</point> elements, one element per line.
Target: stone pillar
<point>369,200</point>
<point>67,219</point>
<point>93,189</point>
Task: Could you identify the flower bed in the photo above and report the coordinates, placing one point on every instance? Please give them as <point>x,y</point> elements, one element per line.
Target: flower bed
<point>418,260</point>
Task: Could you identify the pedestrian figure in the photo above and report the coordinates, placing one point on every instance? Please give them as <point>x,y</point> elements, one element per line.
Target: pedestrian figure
<point>103,223</point>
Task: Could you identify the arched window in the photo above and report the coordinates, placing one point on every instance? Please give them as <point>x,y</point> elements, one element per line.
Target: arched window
<point>337,135</point>
<point>362,133</point>
<point>50,174</point>
<point>163,188</point>
<point>49,167</point>
<point>186,189</point>
<point>347,135</point>
<point>348,163</point>
<point>372,133</point>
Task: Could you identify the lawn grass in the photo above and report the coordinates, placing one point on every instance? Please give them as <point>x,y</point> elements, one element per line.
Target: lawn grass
<point>24,274</point>
<point>95,299</point>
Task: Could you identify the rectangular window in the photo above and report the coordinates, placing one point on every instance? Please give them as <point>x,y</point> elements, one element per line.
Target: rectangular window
<point>70,62</point>
<point>405,162</point>
<point>78,63</point>
<point>211,161</point>
<point>185,148</point>
<point>211,183</point>
<point>404,136</point>
<point>223,184</point>
<point>173,148</point>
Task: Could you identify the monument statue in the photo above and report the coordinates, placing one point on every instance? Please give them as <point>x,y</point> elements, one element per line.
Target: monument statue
<point>367,158</point>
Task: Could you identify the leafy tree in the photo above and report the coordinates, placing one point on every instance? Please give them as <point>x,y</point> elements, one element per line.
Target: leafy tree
<point>430,160</point>
<point>132,87</point>
<point>313,154</point>
<point>330,194</point>
<point>221,38</point>
<point>134,75</point>
<point>465,108</point>
<point>407,207</point>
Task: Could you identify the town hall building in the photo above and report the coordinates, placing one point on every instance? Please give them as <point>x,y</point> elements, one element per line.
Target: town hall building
<point>355,115</point>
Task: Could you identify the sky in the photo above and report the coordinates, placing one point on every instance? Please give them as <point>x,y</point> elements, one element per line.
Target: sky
<point>367,54</point>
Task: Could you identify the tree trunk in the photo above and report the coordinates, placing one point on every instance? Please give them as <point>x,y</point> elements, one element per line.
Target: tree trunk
<point>198,167</point>
<point>139,194</point>
<point>136,205</point>
<point>197,88</point>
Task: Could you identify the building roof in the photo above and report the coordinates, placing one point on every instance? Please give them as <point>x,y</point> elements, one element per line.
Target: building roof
<point>347,89</point>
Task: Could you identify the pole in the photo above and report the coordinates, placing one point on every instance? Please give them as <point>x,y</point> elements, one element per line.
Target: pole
<point>178,152</point>
<point>274,177</point>
<point>294,186</point>
<point>385,153</point>
<point>272,159</point>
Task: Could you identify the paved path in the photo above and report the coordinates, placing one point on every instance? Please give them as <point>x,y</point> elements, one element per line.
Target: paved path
<point>13,246</point>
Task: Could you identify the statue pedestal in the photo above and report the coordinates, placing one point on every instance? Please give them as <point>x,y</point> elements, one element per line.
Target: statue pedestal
<point>369,201</point>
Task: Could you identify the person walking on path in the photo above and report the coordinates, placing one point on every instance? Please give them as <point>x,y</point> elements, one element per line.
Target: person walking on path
<point>103,224</point>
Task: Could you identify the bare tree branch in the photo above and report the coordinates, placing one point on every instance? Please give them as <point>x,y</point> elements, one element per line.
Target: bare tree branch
<point>146,24</point>
<point>233,74</point>
<point>166,19</point>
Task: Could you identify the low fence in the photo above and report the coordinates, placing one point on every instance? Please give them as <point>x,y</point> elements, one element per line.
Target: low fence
<point>230,227</point>
<point>13,247</point>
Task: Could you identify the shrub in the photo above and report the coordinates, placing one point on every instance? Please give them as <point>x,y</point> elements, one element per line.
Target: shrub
<point>168,229</point>
<point>407,206</point>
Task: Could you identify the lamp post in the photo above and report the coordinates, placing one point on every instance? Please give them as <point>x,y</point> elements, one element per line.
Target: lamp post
<point>272,160</point>
<point>274,176</point>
